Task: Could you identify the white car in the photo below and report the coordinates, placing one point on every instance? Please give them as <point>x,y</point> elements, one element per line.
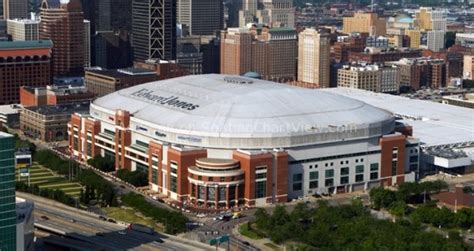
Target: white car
<point>122,232</point>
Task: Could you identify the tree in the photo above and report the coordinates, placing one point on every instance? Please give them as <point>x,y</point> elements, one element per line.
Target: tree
<point>450,39</point>
<point>381,198</point>
<point>262,219</point>
<point>398,208</point>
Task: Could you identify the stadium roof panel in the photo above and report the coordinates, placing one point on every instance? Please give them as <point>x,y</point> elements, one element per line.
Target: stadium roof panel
<point>433,123</point>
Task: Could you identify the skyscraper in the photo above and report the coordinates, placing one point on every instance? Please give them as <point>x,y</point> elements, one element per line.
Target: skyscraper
<point>7,193</point>
<point>63,23</point>
<point>154,29</point>
<point>87,43</point>
<point>313,58</point>
<point>277,13</point>
<point>23,29</point>
<point>201,17</point>
<point>15,9</point>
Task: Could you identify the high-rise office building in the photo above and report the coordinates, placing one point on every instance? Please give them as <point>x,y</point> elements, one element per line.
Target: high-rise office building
<point>7,193</point>
<point>269,52</point>
<point>435,40</point>
<point>277,13</point>
<point>313,58</point>
<point>63,23</point>
<point>201,17</point>
<point>15,9</point>
<point>430,19</point>
<point>23,29</point>
<point>87,43</point>
<point>154,29</point>
<point>23,63</point>
<point>365,22</point>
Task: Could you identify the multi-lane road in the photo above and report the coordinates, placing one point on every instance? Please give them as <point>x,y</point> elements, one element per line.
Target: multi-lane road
<point>88,228</point>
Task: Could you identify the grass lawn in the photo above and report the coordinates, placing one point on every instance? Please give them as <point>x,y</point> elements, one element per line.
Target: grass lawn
<point>128,215</point>
<point>45,178</point>
<point>245,231</point>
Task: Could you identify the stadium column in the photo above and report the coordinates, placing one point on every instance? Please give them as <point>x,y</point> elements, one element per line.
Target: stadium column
<point>123,137</point>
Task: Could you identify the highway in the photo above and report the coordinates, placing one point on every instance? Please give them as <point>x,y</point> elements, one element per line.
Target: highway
<point>83,226</point>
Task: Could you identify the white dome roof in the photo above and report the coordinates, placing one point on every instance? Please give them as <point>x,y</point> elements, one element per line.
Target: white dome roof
<point>238,112</point>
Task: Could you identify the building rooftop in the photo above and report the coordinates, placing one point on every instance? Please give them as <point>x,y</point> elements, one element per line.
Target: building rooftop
<point>60,109</point>
<point>433,123</point>
<point>122,72</point>
<point>31,44</point>
<point>5,135</point>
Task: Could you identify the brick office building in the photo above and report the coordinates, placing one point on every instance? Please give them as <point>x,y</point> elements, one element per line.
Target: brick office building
<point>377,55</point>
<point>23,63</point>
<point>54,95</point>
<point>217,141</point>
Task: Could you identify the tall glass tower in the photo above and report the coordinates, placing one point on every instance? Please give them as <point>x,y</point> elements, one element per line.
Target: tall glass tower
<point>7,193</point>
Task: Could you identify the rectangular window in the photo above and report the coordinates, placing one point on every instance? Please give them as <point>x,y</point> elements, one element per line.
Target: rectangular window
<point>394,168</point>
<point>329,182</point>
<point>345,171</point>
<point>359,169</point>
<point>344,180</point>
<point>110,132</point>
<point>314,175</point>
<point>374,175</point>
<point>154,176</point>
<point>313,184</point>
<point>413,159</point>
<point>222,179</point>
<point>297,177</point>
<point>374,167</point>
<point>260,189</point>
<point>329,173</point>
<point>211,178</point>
<point>141,143</point>
<point>174,184</point>
<point>359,178</point>
<point>261,176</point>
<point>297,186</point>
<point>141,168</point>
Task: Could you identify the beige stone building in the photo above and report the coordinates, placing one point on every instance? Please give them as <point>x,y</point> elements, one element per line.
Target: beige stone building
<point>365,22</point>
<point>369,77</point>
<point>23,29</point>
<point>313,58</point>
<point>270,52</point>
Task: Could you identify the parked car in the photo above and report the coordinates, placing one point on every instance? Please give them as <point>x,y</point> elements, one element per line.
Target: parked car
<point>122,232</point>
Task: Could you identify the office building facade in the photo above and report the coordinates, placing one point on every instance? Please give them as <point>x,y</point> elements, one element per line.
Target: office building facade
<point>23,63</point>
<point>365,22</point>
<point>7,192</point>
<point>201,17</point>
<point>369,77</point>
<point>64,25</point>
<point>271,52</point>
<point>13,9</point>
<point>23,29</point>
<point>313,58</point>
<point>154,29</point>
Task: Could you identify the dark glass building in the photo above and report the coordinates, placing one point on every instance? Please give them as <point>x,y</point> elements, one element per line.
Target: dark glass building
<point>7,193</point>
<point>154,29</point>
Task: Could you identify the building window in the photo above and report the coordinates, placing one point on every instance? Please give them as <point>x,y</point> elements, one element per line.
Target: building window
<point>314,175</point>
<point>260,189</point>
<point>394,168</point>
<point>154,176</point>
<point>261,176</point>
<point>222,193</point>
<point>329,182</point>
<point>297,186</point>
<point>211,193</point>
<point>359,178</point>
<point>329,173</point>
<point>174,184</point>
<point>211,179</point>
<point>413,159</point>
<point>374,167</point>
<point>141,143</point>
<point>199,177</point>
<point>141,168</point>
<point>344,180</point>
<point>359,169</point>
<point>374,175</point>
<point>313,184</point>
<point>222,179</point>
<point>345,171</point>
<point>297,177</point>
